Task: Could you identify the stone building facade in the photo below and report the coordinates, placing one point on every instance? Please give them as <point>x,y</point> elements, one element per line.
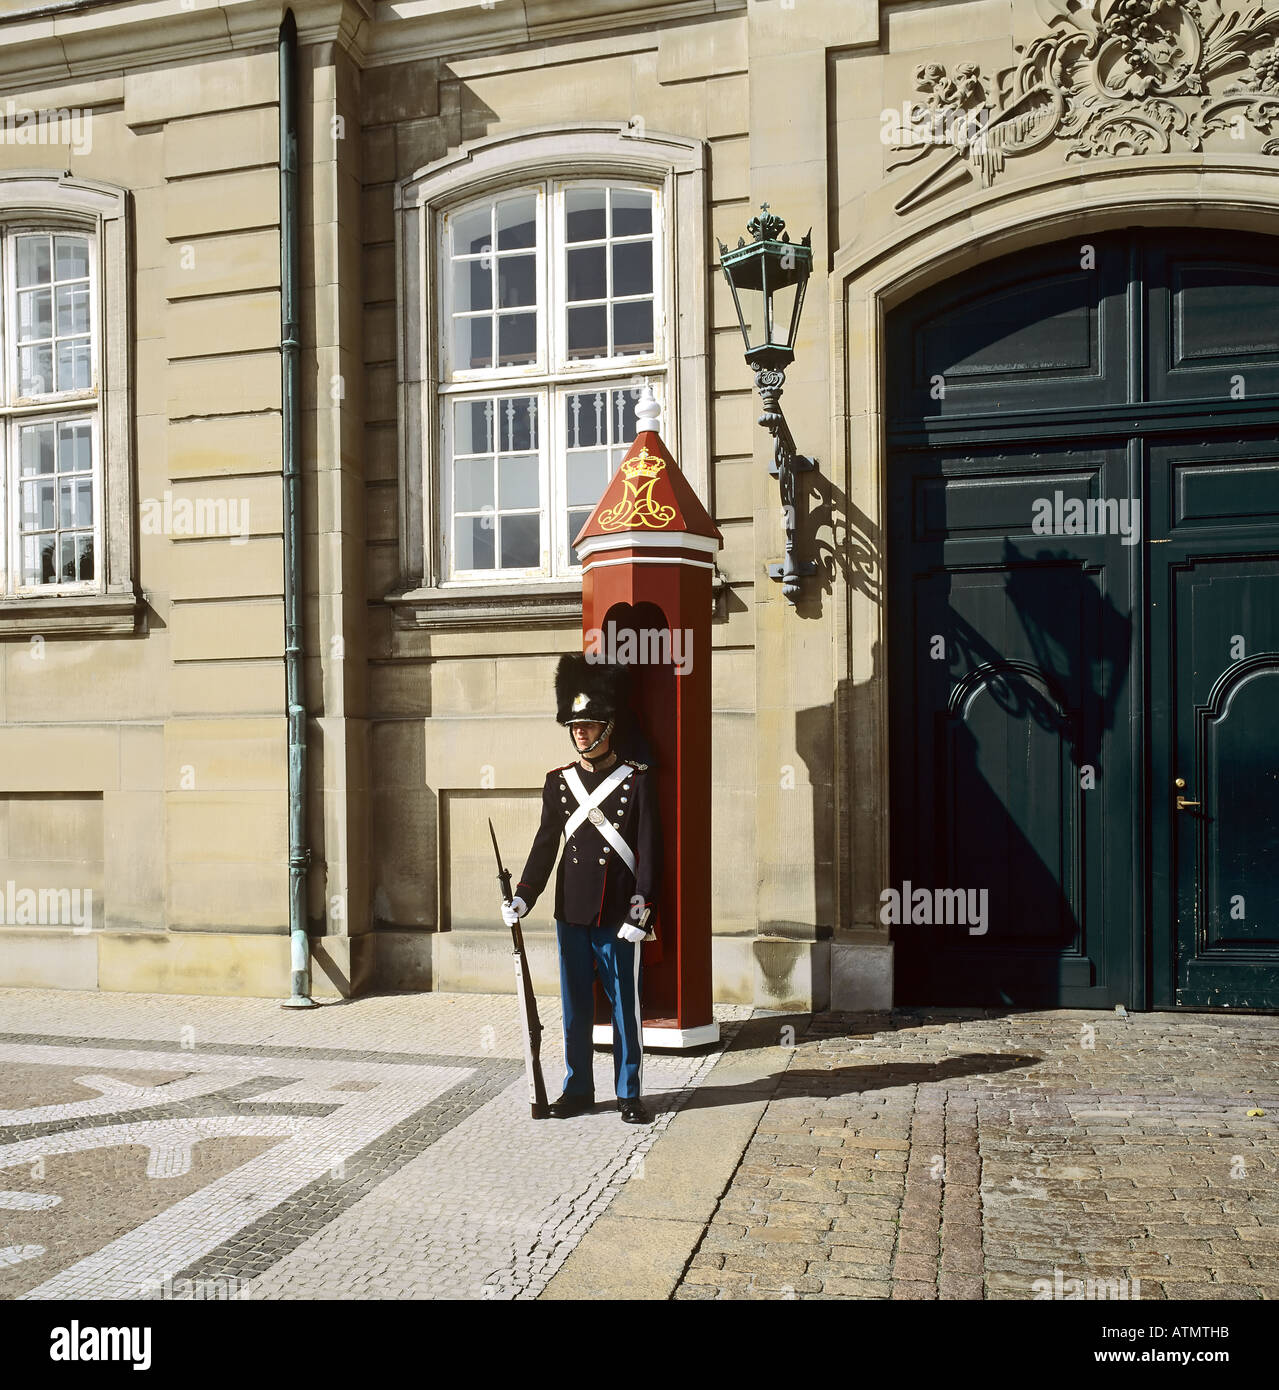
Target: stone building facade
<point>509,220</point>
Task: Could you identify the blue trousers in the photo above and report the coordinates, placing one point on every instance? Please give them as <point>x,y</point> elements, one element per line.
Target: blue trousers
<point>618,962</point>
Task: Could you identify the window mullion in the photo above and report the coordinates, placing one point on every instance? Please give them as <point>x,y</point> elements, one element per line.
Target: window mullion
<point>549,274</point>
<point>550,492</point>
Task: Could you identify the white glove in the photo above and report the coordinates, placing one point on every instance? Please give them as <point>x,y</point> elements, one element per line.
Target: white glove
<point>513,911</point>
<point>629,933</point>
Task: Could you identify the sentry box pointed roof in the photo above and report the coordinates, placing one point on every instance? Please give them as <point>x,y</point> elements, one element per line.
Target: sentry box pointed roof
<point>648,499</point>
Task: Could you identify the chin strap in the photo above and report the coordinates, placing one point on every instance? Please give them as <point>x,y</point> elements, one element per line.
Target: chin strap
<point>590,747</point>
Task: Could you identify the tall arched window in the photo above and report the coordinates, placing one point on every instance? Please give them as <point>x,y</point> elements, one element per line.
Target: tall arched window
<point>546,279</point>
<point>552,320</point>
<point>65,430</point>
<point>49,397</point>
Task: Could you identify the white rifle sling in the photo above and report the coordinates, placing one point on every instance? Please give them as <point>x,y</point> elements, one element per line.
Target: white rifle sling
<point>586,803</point>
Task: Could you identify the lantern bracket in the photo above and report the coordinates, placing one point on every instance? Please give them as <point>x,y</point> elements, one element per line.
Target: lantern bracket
<point>769,382</point>
<point>769,264</point>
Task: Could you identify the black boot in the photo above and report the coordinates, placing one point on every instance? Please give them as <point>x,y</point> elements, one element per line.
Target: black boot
<point>569,1105</point>
<point>633,1111</point>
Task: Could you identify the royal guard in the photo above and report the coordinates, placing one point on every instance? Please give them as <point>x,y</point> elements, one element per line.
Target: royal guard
<point>605,809</point>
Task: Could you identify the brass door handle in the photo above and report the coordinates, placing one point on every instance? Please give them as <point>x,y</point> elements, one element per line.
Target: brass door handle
<point>1182,803</point>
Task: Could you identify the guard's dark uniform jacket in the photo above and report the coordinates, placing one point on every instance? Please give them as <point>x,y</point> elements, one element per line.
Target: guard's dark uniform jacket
<point>594,886</point>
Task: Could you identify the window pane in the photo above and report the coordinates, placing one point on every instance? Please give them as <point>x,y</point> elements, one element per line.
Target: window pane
<point>37,506</point>
<point>472,343</point>
<point>35,314</point>
<point>473,538</point>
<point>622,415</point>
<point>67,573</point>
<point>584,214</point>
<point>472,484</point>
<point>36,449</point>
<point>518,482</point>
<point>33,260</point>
<point>632,213</point>
<point>74,366</point>
<point>73,308</point>
<point>71,257</point>
<point>37,559</point>
<point>587,421</point>
<point>66,504</point>
<point>472,285</point>
<point>84,553</point>
<point>516,224</point>
<point>517,424</point>
<point>35,370</point>
<point>633,327</point>
<point>521,542</point>
<point>473,427</point>
<point>576,520</point>
<point>633,268</point>
<point>75,448</point>
<point>473,231</point>
<point>516,339</point>
<point>84,502</point>
<point>516,281</point>
<point>586,273</point>
<point>587,477</point>
<point>588,332</point>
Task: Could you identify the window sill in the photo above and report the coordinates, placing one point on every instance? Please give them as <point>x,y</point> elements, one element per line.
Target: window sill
<point>72,615</point>
<point>488,605</point>
<point>556,604</point>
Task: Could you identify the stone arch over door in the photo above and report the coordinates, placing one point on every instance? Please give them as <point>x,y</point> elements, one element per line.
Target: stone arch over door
<point>893,260</point>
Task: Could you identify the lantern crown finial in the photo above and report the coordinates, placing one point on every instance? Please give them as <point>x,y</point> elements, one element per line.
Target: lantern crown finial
<point>767,226</point>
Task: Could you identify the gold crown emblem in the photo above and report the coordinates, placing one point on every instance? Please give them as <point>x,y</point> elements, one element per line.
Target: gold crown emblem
<point>643,465</point>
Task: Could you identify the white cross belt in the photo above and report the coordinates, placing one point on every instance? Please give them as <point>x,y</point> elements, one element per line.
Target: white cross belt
<point>588,802</point>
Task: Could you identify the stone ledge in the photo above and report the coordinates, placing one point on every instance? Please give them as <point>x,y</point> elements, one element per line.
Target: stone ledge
<point>73,615</point>
<point>496,605</point>
<point>465,609</point>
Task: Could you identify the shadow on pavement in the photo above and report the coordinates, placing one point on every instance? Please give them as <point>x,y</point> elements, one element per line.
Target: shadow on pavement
<point>788,1030</point>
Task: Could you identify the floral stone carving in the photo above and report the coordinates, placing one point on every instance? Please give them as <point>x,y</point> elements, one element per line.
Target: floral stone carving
<point>1112,77</point>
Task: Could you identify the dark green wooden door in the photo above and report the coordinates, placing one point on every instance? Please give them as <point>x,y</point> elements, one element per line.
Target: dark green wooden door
<point>1055,666</point>
<point>1215,672</point>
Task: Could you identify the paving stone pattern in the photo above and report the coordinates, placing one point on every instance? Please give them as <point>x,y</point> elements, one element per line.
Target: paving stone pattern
<point>391,1153</point>
<point>964,1155</point>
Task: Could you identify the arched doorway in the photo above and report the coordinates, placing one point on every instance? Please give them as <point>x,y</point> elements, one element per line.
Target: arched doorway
<point>1083,608</point>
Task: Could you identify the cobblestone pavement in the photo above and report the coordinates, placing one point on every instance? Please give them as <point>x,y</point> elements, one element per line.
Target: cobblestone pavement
<point>966,1155</point>
<point>166,1146</point>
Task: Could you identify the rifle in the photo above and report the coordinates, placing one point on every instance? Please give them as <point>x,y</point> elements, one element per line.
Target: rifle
<point>532,1025</point>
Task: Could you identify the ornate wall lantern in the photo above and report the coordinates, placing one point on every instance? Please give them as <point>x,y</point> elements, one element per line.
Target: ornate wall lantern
<point>768,277</point>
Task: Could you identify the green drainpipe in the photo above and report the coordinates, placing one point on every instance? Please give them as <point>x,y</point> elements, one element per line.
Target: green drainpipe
<point>290,271</point>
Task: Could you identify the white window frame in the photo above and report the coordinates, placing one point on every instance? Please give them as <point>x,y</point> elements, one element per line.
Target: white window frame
<point>497,392</point>
<point>48,407</point>
<point>53,202</point>
<point>550,375</point>
<point>675,169</point>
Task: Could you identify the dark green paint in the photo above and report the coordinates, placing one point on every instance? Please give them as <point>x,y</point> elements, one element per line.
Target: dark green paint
<point>1148,372</point>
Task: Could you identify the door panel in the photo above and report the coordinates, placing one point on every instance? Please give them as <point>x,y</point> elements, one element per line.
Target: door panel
<point>1228,745</point>
<point>1215,695</point>
<point>1022,664</point>
<point>1046,333</point>
<point>1227,750</point>
<point>1214,319</point>
<point>1011,695</point>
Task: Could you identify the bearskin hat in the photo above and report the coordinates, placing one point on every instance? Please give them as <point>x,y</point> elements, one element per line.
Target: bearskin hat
<point>589,690</point>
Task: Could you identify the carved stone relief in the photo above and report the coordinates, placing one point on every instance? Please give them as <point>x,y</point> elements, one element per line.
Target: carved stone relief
<point>1111,77</point>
